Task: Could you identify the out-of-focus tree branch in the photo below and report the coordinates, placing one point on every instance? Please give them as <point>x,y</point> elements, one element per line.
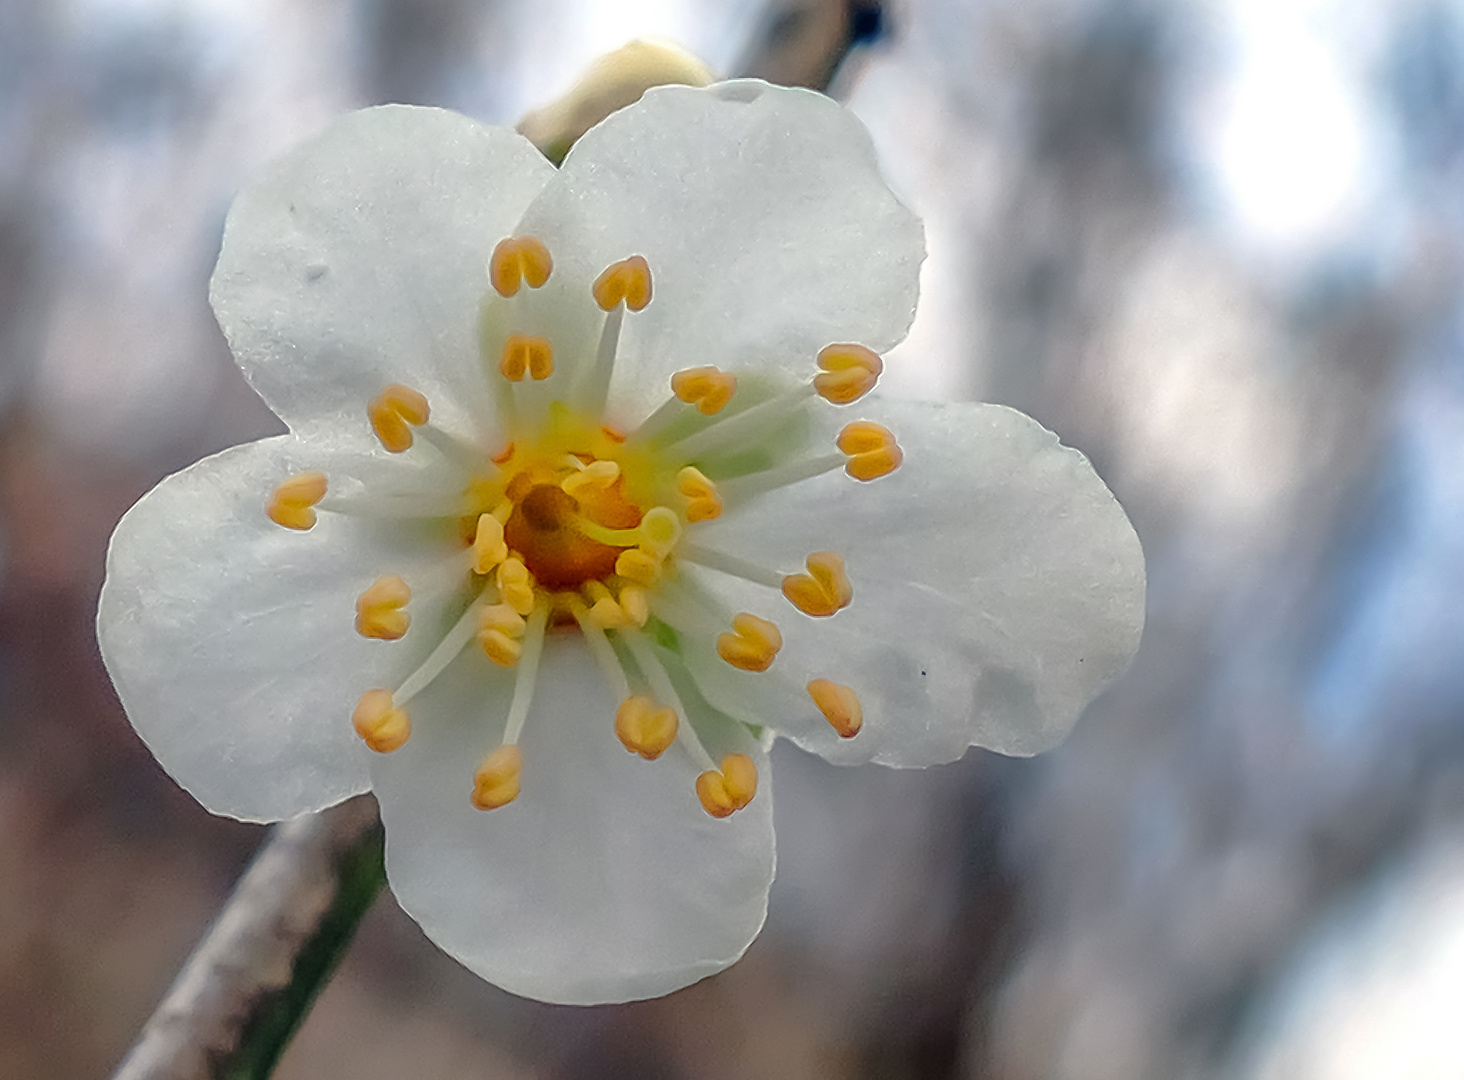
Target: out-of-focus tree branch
<point>252,978</point>
<point>804,42</point>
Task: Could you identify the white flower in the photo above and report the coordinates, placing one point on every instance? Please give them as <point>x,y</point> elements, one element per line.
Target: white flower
<point>506,541</point>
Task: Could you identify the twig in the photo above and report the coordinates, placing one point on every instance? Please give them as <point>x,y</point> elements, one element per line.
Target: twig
<point>804,42</point>
<point>242,993</point>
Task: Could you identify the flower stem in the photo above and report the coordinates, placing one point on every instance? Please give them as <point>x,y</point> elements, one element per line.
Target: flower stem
<point>254,976</point>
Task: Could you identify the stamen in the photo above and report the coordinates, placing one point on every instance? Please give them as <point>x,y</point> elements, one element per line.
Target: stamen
<point>708,388</point>
<point>840,706</point>
<point>500,633</point>
<point>496,783</point>
<point>460,452</point>
<point>523,354</point>
<point>603,609</point>
<point>405,504</point>
<point>655,673</point>
<point>393,414</point>
<point>489,548</point>
<point>524,259</point>
<point>292,504</point>
<point>849,372</point>
<point>527,674</point>
<point>437,660</point>
<point>599,475</point>
<point>639,566</point>
<point>752,645</point>
<point>593,383</point>
<point>702,501</point>
<point>382,725</point>
<point>723,793</point>
<point>745,426</point>
<point>644,728</point>
<point>515,585</point>
<point>379,611</point>
<point>635,604</point>
<point>871,449</point>
<point>824,590</point>
<point>627,282</point>
<point>600,649</point>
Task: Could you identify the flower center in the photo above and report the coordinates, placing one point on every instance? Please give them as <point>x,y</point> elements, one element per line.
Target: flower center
<point>573,525</point>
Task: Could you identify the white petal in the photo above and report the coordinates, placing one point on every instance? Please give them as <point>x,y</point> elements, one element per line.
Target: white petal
<point>231,642</point>
<point>767,226</point>
<point>605,880</point>
<point>998,587</point>
<point>360,259</point>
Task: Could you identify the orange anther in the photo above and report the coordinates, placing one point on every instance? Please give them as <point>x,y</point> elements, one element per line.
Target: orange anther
<point>639,566</point>
<point>628,280</point>
<point>822,591</point>
<point>597,475</point>
<point>381,725</point>
<point>752,644</point>
<point>840,706</point>
<point>848,372</point>
<point>725,792</point>
<point>500,633</point>
<point>393,414</point>
<point>644,728</point>
<point>871,449</point>
<point>516,585</point>
<point>515,260</point>
<point>708,388</point>
<point>702,501</point>
<point>526,355</point>
<point>379,611</point>
<point>496,783</point>
<point>292,503</point>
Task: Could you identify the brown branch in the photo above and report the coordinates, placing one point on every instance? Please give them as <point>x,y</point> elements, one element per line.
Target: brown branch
<point>805,42</point>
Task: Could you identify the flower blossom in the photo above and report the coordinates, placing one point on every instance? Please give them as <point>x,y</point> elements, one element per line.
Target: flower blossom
<point>584,499</point>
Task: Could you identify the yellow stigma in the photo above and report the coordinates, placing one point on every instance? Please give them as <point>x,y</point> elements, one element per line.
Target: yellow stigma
<point>515,260</point>
<point>523,354</point>
<point>708,388</point>
<point>725,792</point>
<point>596,476</point>
<point>381,725</point>
<point>840,706</point>
<point>643,728</point>
<point>293,503</point>
<point>752,644</point>
<point>515,585</point>
<point>822,591</point>
<point>379,611</point>
<point>628,280</point>
<point>501,634</point>
<point>702,501</point>
<point>394,413</point>
<point>848,373</point>
<point>871,449</point>
<point>496,783</point>
<point>488,547</point>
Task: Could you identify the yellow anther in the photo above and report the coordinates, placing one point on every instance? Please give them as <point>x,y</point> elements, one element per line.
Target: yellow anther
<point>848,372</point>
<point>379,611</point>
<point>523,354</point>
<point>822,591</point>
<point>628,280</point>
<point>635,604</point>
<point>840,706</point>
<point>638,566</point>
<point>871,449</point>
<point>702,501</point>
<point>515,585</point>
<point>496,783</point>
<point>660,528</point>
<point>604,611</point>
<point>381,725</point>
<point>725,792</point>
<point>393,414</point>
<point>500,633</point>
<point>516,260</point>
<point>293,502</point>
<point>752,644</point>
<point>489,548</point>
<point>597,476</point>
<point>708,388</point>
<point>643,728</point>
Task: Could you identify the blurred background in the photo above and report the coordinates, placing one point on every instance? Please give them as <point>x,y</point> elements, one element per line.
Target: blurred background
<point>1216,244</point>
